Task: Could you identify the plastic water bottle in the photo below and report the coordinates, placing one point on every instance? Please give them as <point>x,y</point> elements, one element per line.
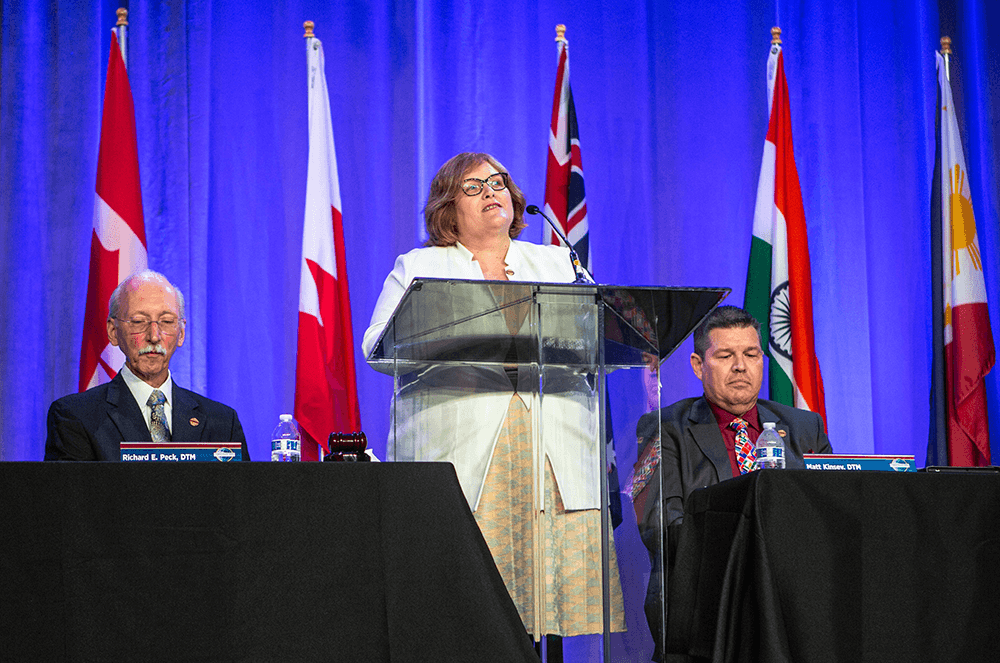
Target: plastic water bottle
<point>285,441</point>
<point>770,449</point>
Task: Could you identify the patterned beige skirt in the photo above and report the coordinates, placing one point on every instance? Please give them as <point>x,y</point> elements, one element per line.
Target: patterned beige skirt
<point>571,541</point>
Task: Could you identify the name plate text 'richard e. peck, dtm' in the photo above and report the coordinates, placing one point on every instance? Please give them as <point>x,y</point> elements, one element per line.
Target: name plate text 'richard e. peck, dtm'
<point>150,452</point>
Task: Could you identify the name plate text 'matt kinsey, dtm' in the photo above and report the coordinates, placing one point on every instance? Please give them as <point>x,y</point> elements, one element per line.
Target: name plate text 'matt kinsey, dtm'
<point>885,463</point>
<point>149,452</point>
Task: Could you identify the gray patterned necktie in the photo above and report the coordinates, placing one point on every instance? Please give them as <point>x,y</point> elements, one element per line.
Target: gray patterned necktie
<point>158,420</point>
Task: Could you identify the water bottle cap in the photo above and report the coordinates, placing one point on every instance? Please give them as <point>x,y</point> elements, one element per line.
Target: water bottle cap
<point>769,424</point>
<point>286,417</point>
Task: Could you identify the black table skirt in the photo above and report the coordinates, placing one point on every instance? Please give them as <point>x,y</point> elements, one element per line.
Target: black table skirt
<point>838,566</point>
<point>247,562</point>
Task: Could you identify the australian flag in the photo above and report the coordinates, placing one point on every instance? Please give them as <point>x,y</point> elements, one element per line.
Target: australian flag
<point>565,201</point>
<point>566,204</point>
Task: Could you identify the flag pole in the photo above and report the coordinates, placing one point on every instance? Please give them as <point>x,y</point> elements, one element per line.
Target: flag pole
<point>538,530</point>
<point>121,31</point>
<point>937,436</point>
<point>604,412</point>
<point>946,54</point>
<point>776,35</point>
<point>939,389</point>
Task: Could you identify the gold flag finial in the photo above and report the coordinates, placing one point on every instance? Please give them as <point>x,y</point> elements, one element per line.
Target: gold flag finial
<point>776,35</point>
<point>945,45</point>
<point>560,32</point>
<point>309,25</point>
<point>122,16</point>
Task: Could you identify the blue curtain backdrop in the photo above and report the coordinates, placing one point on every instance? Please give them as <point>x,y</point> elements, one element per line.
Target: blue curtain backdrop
<point>671,99</point>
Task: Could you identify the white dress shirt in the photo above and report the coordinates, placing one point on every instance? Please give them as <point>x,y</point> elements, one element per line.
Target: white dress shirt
<point>141,391</point>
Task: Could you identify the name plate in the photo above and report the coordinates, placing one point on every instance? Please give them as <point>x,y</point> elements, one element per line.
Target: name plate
<point>149,452</point>
<point>884,463</point>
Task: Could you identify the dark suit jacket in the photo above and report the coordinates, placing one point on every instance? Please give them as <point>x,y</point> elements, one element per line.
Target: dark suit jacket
<point>693,454</point>
<point>92,425</point>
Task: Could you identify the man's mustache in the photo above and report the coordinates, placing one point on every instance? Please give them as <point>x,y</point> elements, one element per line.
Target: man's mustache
<point>158,349</point>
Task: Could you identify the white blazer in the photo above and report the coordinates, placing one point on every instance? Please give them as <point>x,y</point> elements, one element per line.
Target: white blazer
<point>461,424</point>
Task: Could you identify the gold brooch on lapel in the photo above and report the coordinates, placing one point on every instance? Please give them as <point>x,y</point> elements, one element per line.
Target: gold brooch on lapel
<point>194,422</point>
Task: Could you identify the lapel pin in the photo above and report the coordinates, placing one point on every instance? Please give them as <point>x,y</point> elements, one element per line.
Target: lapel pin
<point>194,422</point>
<point>782,433</point>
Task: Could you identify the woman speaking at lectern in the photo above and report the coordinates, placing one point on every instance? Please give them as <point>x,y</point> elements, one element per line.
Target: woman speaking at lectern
<point>480,418</point>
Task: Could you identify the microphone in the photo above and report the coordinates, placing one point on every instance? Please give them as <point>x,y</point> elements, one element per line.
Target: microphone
<point>582,275</point>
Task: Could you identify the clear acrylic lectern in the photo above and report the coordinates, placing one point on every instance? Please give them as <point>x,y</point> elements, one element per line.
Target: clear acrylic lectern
<point>477,364</point>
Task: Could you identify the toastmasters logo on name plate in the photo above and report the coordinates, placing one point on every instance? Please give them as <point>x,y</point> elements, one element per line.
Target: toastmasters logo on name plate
<point>224,454</point>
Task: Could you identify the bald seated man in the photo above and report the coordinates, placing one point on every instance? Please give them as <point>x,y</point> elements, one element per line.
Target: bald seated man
<point>142,403</point>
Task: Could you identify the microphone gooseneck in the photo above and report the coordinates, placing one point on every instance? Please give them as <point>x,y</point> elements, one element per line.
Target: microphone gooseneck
<point>582,275</point>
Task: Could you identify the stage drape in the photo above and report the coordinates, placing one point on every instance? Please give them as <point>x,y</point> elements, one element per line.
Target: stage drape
<point>672,111</point>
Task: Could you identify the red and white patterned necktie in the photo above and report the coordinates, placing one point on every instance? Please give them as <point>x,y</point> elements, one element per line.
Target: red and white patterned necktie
<point>746,454</point>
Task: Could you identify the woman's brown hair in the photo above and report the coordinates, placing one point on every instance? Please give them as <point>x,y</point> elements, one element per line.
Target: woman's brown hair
<point>439,212</point>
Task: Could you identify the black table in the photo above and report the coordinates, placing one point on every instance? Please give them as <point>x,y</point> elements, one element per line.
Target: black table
<point>838,566</point>
<point>247,562</point>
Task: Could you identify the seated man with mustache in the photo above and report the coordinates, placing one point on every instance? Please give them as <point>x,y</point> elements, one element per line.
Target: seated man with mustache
<point>698,441</point>
<point>142,403</point>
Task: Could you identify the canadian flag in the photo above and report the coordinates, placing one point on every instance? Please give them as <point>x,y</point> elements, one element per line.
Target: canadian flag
<point>118,242</point>
<point>326,393</point>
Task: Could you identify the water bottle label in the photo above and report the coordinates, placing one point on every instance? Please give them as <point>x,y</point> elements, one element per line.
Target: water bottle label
<point>770,457</point>
<point>283,449</point>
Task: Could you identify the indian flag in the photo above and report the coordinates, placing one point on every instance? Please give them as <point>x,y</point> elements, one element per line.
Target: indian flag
<point>779,284</point>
